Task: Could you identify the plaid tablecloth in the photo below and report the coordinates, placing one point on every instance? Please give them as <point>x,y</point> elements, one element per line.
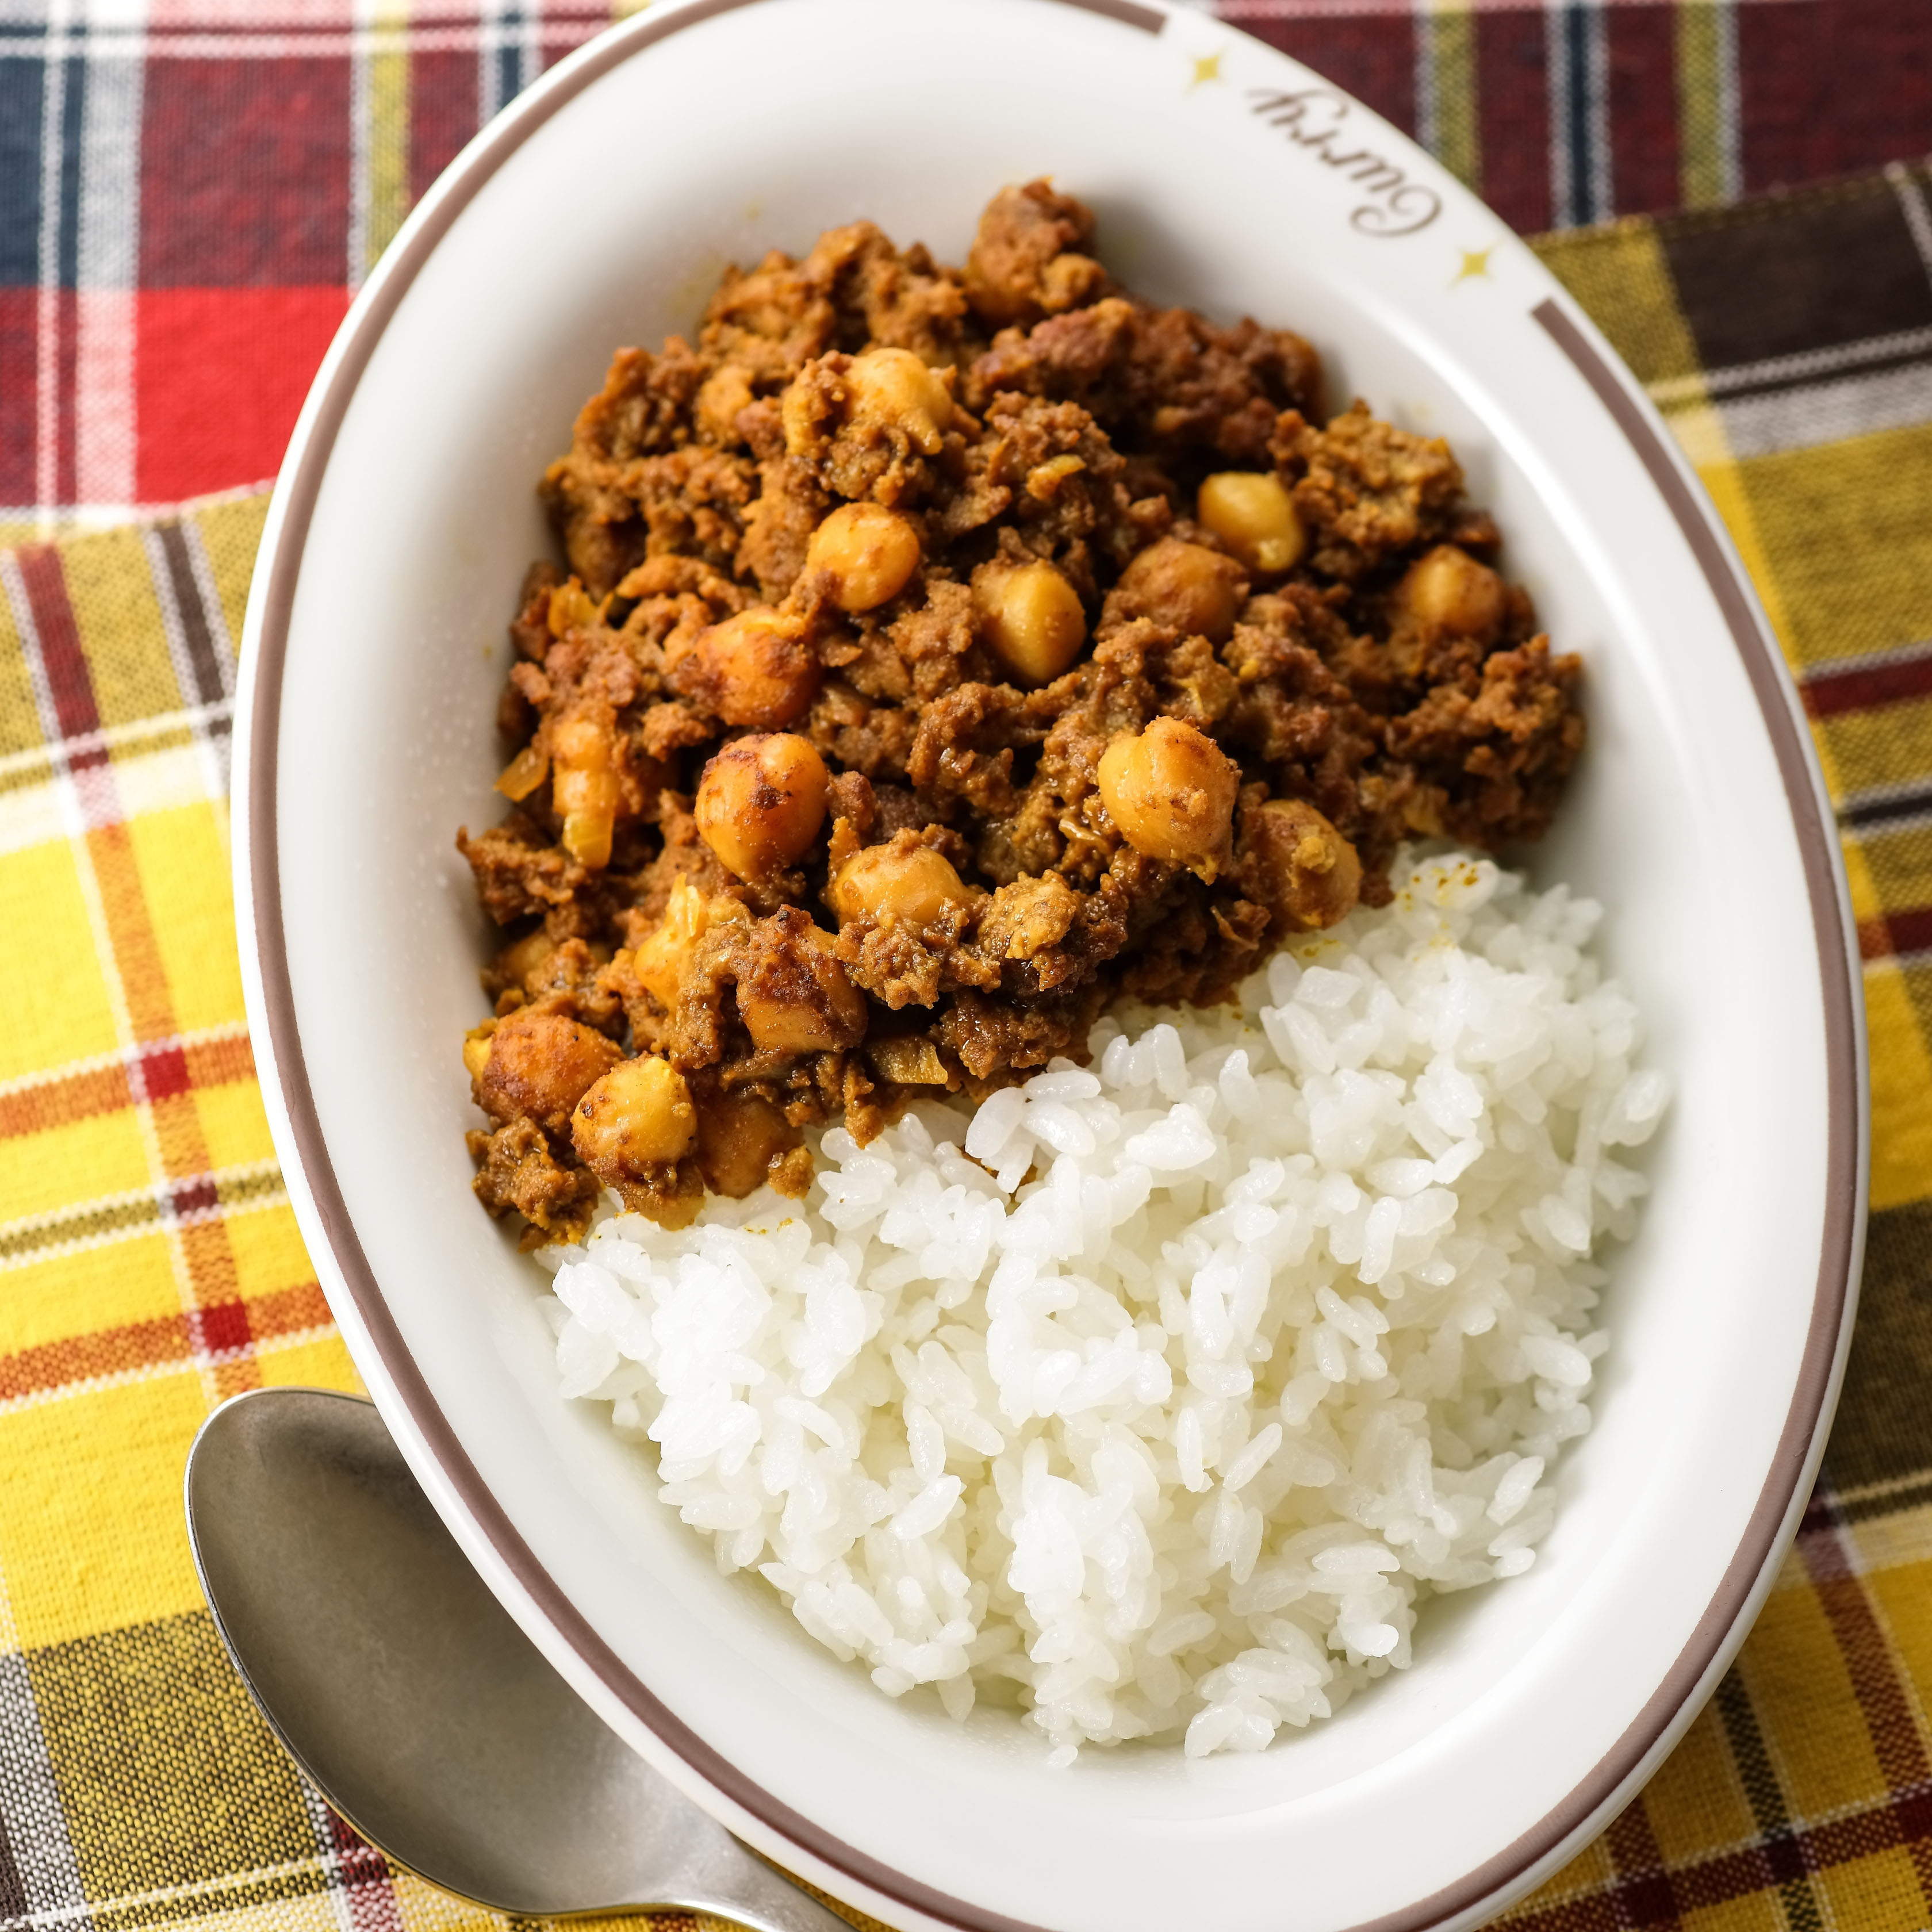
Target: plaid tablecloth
<point>189,193</point>
<point>191,190</point>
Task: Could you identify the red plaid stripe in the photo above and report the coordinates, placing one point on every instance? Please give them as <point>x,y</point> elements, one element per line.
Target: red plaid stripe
<point>159,1070</point>
<point>186,210</point>
<point>183,208</point>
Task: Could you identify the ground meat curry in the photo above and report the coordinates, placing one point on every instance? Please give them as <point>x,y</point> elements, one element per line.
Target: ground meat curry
<point>939,654</point>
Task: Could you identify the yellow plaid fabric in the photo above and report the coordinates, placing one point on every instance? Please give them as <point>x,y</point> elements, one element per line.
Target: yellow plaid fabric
<point>149,1264</point>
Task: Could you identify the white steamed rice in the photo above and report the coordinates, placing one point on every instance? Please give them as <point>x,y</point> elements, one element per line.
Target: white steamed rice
<point>1160,1414</point>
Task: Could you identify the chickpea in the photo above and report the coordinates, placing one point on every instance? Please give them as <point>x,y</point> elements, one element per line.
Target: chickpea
<point>892,388</point>
<point>541,1064</point>
<point>1031,617</point>
<point>903,881</point>
<point>476,1048</point>
<point>760,802</point>
<point>583,786</point>
<point>638,1117</point>
<point>1308,873</point>
<point>739,1137</point>
<point>793,995</point>
<point>662,961</point>
<point>1449,590</point>
<point>1251,511</point>
<point>869,552</point>
<point>1188,587</point>
<point>754,669</point>
<point>1171,791</point>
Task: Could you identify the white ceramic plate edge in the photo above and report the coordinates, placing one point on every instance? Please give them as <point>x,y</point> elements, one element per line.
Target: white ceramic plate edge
<point>432,1448</point>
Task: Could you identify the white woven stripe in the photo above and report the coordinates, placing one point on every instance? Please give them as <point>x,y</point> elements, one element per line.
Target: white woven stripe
<point>51,519</point>
<point>108,272</point>
<point>1730,158</point>
<point>36,1833</point>
<point>361,142</point>
<point>84,799</point>
<point>529,42</point>
<point>104,427</point>
<point>227,1031</point>
<point>1596,129</point>
<point>71,802</point>
<point>164,781</point>
<point>1896,654</point>
<point>1889,1486</point>
<point>42,758</point>
<point>109,249</point>
<point>46,320</point>
<point>58,1248</point>
<point>1788,419</point>
<point>555,29</point>
<point>56,519</point>
<point>1918,216</point>
<point>1556,88</point>
<point>489,75</point>
<point>160,1197</point>
<point>233,1900</point>
<point>322,1825</point>
<point>1428,108</point>
<point>197,1361</point>
<point>1804,367</point>
<point>1905,794</point>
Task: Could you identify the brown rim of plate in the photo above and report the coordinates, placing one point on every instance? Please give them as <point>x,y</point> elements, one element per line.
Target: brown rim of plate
<point>1844,1211</point>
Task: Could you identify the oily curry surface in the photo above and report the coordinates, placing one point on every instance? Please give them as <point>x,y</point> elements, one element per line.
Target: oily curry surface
<point>940,655</point>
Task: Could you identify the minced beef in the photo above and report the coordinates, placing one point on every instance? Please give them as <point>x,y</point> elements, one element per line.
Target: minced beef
<point>937,656</point>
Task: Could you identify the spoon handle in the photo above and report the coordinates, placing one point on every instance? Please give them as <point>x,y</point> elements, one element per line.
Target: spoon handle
<point>717,1874</point>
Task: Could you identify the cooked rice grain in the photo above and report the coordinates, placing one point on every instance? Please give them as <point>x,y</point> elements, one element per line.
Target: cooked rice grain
<point>1159,1414</point>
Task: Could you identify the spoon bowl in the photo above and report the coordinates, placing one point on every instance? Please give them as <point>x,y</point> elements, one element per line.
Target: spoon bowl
<point>404,1690</point>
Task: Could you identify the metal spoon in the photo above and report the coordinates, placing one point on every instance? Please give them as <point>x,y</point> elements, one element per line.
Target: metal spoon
<point>400,1685</point>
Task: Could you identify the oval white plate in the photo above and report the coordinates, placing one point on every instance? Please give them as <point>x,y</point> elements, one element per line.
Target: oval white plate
<point>600,209</point>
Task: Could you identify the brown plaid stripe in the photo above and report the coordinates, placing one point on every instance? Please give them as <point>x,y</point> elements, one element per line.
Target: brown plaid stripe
<point>1789,343</point>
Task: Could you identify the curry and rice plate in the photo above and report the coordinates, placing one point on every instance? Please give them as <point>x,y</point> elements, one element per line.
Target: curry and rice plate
<point>996,894</point>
